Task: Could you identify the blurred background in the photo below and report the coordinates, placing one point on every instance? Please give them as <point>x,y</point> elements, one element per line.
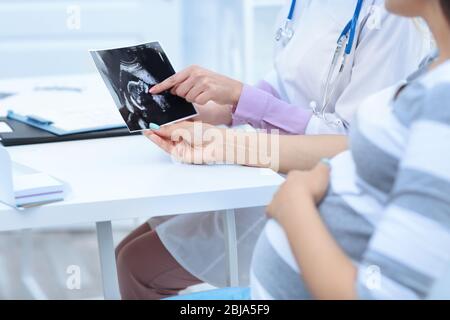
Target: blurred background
<point>51,37</point>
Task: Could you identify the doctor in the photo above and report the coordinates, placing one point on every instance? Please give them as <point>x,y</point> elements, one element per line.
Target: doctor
<point>330,55</point>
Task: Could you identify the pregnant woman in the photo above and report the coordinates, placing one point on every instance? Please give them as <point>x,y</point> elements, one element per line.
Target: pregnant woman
<point>374,222</point>
<point>164,256</point>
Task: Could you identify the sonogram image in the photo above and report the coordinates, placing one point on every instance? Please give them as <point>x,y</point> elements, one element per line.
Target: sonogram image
<point>129,74</point>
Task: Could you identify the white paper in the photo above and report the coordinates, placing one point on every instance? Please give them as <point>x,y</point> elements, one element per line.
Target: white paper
<point>5,128</point>
<point>90,107</point>
<point>36,183</point>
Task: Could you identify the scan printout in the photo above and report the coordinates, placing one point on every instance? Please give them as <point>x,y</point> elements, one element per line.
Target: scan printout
<point>129,73</point>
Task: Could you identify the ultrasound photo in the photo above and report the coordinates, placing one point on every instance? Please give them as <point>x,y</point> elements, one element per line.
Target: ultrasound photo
<point>129,73</point>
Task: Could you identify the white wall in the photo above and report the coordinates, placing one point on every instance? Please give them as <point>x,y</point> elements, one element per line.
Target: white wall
<point>47,37</point>
<point>234,37</point>
<point>52,36</point>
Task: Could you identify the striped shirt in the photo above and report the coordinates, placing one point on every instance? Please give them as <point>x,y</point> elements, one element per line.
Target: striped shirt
<point>389,200</point>
<point>402,159</point>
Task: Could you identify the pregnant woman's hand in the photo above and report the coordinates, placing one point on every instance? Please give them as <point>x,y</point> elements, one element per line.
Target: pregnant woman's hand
<point>191,142</point>
<point>198,85</point>
<point>300,187</point>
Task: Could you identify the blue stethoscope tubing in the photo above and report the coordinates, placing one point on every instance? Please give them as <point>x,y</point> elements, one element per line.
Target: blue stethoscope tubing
<point>349,30</point>
<point>292,10</point>
<point>348,34</point>
<point>286,32</point>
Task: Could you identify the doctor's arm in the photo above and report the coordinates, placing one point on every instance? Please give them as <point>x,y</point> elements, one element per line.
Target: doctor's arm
<point>199,143</point>
<point>251,103</point>
<point>222,100</point>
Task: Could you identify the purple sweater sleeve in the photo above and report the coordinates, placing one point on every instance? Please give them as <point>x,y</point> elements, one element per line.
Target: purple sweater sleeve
<point>262,108</point>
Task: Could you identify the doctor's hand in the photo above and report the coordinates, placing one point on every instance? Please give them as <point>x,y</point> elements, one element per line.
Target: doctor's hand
<point>299,187</point>
<point>191,142</point>
<point>215,114</point>
<point>198,85</point>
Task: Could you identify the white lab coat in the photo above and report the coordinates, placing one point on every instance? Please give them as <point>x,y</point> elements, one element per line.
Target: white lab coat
<point>387,50</point>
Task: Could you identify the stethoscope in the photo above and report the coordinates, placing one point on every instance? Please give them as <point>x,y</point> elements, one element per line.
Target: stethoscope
<point>343,50</point>
<point>286,32</point>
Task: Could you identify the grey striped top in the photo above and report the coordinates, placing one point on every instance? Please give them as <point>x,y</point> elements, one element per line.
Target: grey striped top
<point>388,206</point>
<point>400,181</point>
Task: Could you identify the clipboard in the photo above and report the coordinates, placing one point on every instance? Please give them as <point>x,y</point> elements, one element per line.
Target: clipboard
<point>65,110</point>
<point>51,127</point>
<point>23,134</point>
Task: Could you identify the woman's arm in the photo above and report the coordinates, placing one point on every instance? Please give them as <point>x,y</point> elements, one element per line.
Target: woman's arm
<point>283,153</point>
<point>304,152</point>
<point>199,143</point>
<point>326,270</point>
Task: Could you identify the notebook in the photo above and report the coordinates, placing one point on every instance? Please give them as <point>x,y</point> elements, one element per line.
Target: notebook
<point>32,188</point>
<point>23,187</point>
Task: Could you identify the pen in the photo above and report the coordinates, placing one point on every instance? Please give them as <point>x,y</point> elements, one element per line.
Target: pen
<point>39,120</point>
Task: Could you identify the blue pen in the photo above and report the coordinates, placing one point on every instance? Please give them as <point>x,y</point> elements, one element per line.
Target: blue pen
<point>39,120</point>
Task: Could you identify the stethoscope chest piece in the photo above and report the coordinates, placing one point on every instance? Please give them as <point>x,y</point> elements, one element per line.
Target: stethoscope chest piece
<point>286,33</point>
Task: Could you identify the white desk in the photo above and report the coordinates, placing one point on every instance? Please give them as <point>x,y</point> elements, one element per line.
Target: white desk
<point>125,178</point>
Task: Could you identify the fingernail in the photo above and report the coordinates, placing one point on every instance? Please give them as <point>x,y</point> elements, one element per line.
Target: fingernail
<point>326,161</point>
<point>154,126</point>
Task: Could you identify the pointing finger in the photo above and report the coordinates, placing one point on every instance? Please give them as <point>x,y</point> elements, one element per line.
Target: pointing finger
<point>170,82</point>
